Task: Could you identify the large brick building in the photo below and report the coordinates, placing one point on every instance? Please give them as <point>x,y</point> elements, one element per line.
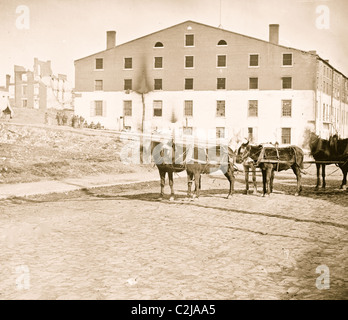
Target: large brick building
<point>205,79</point>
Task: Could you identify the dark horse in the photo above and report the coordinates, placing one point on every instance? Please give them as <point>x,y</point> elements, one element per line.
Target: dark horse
<point>334,149</point>
<point>279,159</point>
<point>175,157</point>
<point>163,155</point>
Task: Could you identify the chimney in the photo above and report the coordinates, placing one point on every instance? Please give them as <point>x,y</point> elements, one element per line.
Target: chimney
<point>274,33</point>
<point>110,39</point>
<point>8,80</point>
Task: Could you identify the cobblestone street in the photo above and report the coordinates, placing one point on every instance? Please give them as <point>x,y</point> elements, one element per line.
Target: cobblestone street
<point>123,243</point>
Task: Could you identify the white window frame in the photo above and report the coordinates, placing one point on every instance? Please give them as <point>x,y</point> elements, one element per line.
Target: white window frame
<point>95,64</point>
<point>124,63</point>
<point>257,83</point>
<point>154,84</point>
<point>223,130</point>
<point>131,108</point>
<point>258,60</point>
<point>283,135</point>
<point>292,60</point>
<point>282,105</point>
<point>292,83</point>
<point>95,108</point>
<point>95,85</point>
<point>153,108</point>
<point>189,34</point>
<point>193,61</point>
<point>216,109</point>
<point>154,63</point>
<point>257,109</point>
<point>193,82</point>
<point>124,84</point>
<point>217,79</point>
<point>217,60</point>
<point>186,116</point>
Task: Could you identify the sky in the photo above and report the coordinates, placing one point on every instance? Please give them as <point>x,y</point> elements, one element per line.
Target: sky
<point>66,30</point>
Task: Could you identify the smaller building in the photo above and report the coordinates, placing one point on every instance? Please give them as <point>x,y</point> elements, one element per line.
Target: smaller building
<point>40,88</point>
<point>5,105</point>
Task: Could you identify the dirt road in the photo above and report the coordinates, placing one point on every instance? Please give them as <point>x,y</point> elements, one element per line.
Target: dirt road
<point>122,243</point>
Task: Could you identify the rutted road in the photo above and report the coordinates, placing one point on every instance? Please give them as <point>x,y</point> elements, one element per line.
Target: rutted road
<point>122,243</point>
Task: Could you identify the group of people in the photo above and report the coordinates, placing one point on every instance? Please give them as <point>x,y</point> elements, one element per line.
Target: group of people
<point>75,121</point>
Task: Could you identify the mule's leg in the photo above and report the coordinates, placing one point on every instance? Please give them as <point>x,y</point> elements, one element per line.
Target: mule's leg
<point>230,176</point>
<point>197,184</point>
<point>171,184</point>
<point>323,175</point>
<point>271,180</point>
<point>297,172</point>
<point>344,170</point>
<point>254,178</point>
<point>318,176</point>
<point>189,183</point>
<point>246,173</point>
<point>268,179</point>
<point>163,181</point>
<point>264,177</point>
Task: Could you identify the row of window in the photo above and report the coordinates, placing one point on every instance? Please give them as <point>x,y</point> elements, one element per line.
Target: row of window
<point>221,61</point>
<point>253,109</point>
<point>252,133</point>
<point>286,83</point>
<point>331,114</point>
<point>220,133</point>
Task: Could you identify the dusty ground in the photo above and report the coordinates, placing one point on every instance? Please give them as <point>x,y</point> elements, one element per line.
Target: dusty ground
<point>122,243</point>
<point>42,152</point>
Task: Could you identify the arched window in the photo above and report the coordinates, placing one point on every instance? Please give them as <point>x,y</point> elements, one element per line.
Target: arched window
<point>159,45</point>
<point>222,43</point>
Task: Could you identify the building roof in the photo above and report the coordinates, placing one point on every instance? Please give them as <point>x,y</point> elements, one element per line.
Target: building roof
<point>220,29</point>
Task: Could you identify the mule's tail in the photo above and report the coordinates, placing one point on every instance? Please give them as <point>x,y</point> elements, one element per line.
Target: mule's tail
<point>299,156</point>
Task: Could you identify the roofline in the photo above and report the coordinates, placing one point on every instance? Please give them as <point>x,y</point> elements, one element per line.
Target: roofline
<point>330,65</point>
<point>217,28</point>
<point>190,21</point>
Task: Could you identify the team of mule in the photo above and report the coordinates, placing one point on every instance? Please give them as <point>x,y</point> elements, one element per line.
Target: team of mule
<point>173,157</point>
<point>196,159</point>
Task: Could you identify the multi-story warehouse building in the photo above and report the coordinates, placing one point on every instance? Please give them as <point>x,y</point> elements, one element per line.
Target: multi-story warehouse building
<point>203,78</point>
<point>40,88</point>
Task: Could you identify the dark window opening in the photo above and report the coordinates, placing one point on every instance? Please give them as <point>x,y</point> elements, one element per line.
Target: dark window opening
<point>222,43</point>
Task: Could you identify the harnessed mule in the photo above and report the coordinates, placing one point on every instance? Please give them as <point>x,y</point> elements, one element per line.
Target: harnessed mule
<point>164,158</point>
<point>249,163</point>
<point>174,157</point>
<point>284,158</point>
<point>203,163</point>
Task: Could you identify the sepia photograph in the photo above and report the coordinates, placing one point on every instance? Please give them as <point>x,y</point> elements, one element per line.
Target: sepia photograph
<point>189,152</point>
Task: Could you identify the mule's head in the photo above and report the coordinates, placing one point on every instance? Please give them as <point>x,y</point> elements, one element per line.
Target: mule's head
<point>243,152</point>
<point>312,140</point>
